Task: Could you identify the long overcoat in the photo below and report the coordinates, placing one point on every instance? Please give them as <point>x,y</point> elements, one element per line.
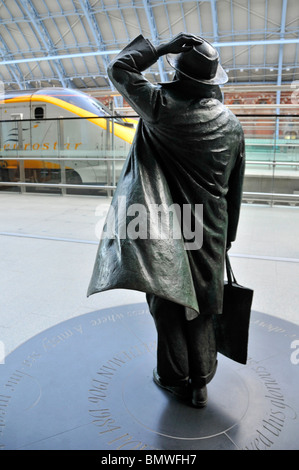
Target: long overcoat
<point>188,152</point>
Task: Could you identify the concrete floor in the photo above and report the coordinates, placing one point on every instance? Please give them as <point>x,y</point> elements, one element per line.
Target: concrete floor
<point>48,246</point>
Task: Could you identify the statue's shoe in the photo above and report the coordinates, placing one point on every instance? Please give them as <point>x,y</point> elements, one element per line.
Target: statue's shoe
<point>200,396</point>
<point>180,390</point>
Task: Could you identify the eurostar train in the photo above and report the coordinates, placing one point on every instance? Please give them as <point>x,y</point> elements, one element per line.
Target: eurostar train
<point>89,150</point>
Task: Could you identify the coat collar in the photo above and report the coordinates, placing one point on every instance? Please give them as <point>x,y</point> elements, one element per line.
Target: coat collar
<point>194,89</point>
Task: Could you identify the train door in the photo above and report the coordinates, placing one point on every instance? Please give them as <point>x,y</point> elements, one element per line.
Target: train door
<point>44,146</point>
<point>38,127</point>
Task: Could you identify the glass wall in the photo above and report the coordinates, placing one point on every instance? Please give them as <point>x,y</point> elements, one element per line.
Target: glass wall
<point>272,158</point>
<point>70,155</point>
<point>83,156</point>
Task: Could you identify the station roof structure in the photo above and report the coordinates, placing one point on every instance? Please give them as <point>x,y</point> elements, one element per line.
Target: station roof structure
<point>69,43</point>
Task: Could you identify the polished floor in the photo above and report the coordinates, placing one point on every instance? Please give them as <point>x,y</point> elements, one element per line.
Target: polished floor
<point>48,246</point>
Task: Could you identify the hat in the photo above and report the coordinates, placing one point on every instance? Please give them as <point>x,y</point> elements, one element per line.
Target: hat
<point>200,63</point>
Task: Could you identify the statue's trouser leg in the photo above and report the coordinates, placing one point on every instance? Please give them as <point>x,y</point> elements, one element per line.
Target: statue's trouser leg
<point>186,349</point>
<point>202,350</point>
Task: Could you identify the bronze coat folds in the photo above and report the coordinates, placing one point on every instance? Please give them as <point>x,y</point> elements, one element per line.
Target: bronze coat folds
<point>188,149</point>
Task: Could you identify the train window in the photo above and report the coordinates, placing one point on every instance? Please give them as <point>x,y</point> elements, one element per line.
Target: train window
<point>39,113</point>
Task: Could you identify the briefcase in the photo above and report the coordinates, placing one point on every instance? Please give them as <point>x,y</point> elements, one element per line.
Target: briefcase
<point>232,326</point>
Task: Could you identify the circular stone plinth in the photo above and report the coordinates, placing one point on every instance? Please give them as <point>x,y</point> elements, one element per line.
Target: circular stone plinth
<point>87,384</point>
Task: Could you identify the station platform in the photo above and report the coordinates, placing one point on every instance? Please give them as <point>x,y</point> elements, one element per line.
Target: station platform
<point>75,372</point>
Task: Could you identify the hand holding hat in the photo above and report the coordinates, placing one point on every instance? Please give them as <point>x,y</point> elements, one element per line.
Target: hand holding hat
<point>195,58</point>
<point>181,43</point>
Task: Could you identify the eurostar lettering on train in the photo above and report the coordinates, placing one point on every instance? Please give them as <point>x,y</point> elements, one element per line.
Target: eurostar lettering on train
<point>35,130</point>
<point>42,146</point>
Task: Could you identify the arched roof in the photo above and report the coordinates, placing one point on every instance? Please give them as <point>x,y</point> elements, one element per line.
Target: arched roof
<point>69,42</point>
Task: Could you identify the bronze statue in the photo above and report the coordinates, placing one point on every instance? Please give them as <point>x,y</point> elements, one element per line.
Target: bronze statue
<point>188,152</point>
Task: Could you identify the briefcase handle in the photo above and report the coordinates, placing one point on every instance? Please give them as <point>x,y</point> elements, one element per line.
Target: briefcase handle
<point>229,272</point>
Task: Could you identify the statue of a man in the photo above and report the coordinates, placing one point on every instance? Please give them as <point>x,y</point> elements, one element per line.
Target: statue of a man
<point>188,152</point>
